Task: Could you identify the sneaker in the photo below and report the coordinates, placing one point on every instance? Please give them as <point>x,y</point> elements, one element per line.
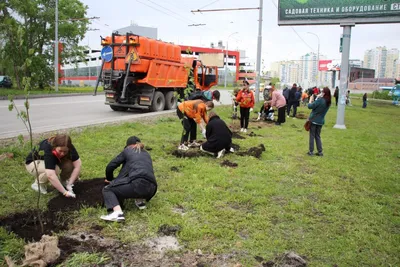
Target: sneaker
<point>140,203</point>
<point>43,188</point>
<point>245,130</point>
<point>287,116</point>
<point>194,144</point>
<point>320,154</point>
<point>242,130</point>
<point>310,153</point>
<point>221,154</point>
<point>183,147</point>
<point>231,150</point>
<point>116,216</point>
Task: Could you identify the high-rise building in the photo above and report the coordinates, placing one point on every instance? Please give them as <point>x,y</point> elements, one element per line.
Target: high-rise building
<point>382,60</point>
<point>397,75</point>
<point>391,62</point>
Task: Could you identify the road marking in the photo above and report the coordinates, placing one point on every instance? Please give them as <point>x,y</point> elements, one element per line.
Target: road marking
<point>54,104</point>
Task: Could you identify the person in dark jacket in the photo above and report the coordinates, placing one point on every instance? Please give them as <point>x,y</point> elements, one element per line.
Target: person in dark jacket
<point>365,100</point>
<point>317,117</point>
<point>219,137</point>
<point>135,180</point>
<point>336,94</point>
<point>292,101</point>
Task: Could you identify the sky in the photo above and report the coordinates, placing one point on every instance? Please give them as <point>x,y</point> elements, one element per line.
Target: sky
<point>172,18</point>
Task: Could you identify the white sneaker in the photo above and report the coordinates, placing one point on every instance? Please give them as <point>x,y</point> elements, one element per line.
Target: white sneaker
<point>116,216</point>
<point>183,147</point>
<point>194,144</point>
<point>245,130</point>
<point>43,188</point>
<point>140,203</point>
<point>221,154</point>
<point>242,130</point>
<point>231,150</point>
<point>287,116</point>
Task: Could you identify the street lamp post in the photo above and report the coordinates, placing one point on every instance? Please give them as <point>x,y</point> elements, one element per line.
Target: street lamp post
<point>319,78</point>
<point>226,56</point>
<point>56,49</point>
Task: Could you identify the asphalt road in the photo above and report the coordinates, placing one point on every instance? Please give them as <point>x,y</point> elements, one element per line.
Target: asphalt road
<point>56,113</point>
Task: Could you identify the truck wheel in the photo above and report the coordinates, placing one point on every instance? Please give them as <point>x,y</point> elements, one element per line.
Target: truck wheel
<point>170,100</point>
<point>116,108</point>
<point>158,102</point>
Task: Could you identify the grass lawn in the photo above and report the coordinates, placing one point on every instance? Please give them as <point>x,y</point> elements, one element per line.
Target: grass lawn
<point>343,208</point>
<point>61,90</point>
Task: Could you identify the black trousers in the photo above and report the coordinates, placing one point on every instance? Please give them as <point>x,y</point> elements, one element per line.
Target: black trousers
<point>315,133</point>
<point>215,147</point>
<point>293,104</point>
<point>281,114</point>
<point>244,117</point>
<point>114,195</point>
<point>189,127</point>
<point>336,98</point>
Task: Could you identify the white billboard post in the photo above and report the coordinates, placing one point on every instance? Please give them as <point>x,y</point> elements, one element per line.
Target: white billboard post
<point>346,14</point>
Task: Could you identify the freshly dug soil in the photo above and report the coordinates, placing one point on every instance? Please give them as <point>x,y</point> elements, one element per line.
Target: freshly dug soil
<point>227,163</point>
<point>253,151</point>
<point>189,153</point>
<point>237,136</point>
<point>26,225</point>
<point>88,193</point>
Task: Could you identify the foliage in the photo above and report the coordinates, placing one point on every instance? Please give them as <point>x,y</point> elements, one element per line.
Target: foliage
<point>27,31</point>
<point>275,80</point>
<point>85,259</point>
<point>381,95</point>
<point>341,209</point>
<point>11,246</point>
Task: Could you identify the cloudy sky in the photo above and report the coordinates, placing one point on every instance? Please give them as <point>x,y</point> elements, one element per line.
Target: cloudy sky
<point>172,18</point>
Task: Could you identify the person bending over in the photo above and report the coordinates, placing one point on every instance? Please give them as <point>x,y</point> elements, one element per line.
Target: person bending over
<point>219,137</point>
<point>191,113</point>
<point>54,157</point>
<point>135,180</point>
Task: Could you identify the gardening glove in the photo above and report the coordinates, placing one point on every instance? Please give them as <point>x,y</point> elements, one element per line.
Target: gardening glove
<point>251,109</point>
<point>69,194</point>
<point>259,116</point>
<point>204,133</point>
<point>69,188</point>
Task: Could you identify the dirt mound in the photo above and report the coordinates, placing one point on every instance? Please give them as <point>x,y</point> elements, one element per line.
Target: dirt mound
<point>174,169</point>
<point>290,259</point>
<point>253,134</point>
<point>227,163</point>
<point>235,147</point>
<point>166,229</point>
<point>26,225</point>
<point>88,193</point>
<point>301,115</point>
<point>189,153</point>
<point>237,136</point>
<point>253,151</point>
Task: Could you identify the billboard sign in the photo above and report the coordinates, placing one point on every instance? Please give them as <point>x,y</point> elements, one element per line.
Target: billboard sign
<point>212,59</point>
<point>309,12</point>
<point>329,65</point>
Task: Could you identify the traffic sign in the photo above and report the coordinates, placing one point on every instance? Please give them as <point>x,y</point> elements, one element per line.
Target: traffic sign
<point>107,53</point>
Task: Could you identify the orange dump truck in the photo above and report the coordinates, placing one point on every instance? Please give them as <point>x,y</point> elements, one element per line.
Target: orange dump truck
<point>143,72</point>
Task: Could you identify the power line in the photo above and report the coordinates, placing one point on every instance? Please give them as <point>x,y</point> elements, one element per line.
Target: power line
<point>295,30</point>
<point>161,11</point>
<point>209,4</point>
<point>171,11</point>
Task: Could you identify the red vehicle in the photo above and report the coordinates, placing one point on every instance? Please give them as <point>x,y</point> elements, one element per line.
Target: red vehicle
<point>144,72</point>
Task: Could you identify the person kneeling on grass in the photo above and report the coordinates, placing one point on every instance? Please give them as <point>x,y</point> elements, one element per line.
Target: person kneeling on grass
<point>135,180</point>
<point>191,113</point>
<point>54,157</point>
<point>219,137</point>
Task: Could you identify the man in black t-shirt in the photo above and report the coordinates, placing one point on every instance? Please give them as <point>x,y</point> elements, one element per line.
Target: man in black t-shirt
<point>54,156</point>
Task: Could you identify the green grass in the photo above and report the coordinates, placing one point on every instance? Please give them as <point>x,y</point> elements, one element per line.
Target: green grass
<point>85,259</point>
<point>343,208</point>
<point>61,90</point>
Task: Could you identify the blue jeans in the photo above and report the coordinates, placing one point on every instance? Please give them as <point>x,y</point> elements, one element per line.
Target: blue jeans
<point>364,104</point>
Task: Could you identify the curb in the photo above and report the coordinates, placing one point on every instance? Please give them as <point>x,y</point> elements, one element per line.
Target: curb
<point>49,95</point>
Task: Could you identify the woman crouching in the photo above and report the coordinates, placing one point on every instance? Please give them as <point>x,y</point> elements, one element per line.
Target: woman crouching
<point>135,180</point>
